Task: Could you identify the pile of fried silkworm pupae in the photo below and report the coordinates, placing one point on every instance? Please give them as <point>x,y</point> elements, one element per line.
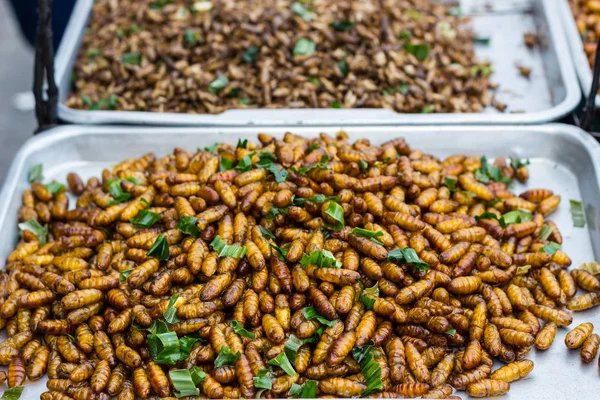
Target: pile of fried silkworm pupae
<point>294,267</point>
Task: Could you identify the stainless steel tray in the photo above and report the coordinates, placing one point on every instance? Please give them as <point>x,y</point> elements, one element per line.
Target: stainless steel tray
<point>563,158</point>
<point>550,93</point>
<point>580,60</point>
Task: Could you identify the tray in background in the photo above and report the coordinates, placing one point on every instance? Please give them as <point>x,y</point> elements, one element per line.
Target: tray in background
<point>551,92</point>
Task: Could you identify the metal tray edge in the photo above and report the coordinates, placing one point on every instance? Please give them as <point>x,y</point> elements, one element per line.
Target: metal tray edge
<point>78,20</point>
<point>578,57</point>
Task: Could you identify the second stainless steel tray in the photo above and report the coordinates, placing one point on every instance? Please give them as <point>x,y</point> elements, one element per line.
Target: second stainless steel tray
<point>580,60</point>
<point>563,158</point>
<point>551,92</point>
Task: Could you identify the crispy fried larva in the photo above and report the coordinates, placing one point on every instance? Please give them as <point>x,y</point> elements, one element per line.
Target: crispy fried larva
<point>375,246</point>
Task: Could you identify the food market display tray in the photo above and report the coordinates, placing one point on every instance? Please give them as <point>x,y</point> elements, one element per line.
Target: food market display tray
<point>563,158</point>
<point>551,91</point>
<point>580,60</point>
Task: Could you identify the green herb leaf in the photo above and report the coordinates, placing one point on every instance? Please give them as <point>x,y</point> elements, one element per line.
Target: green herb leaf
<point>450,183</point>
<point>363,165</point>
<point>312,147</point>
<point>145,219</point>
<point>455,12</point>
<point>117,192</point>
<point>283,362</point>
<point>335,104</point>
<point>321,165</point>
<point>308,390</point>
<point>264,380</point>
<point>93,53</point>
<point>186,343</point>
<point>55,187</point>
<point>420,51</point>
<point>335,211</point>
<point>266,233</point>
<point>170,313</point>
<point>344,68</point>
<point>239,329</point>
<point>187,225</point>
<point>226,250</point>
<point>12,393</point>
<point>486,215</point>
<point>282,252</point>
<point>368,234</point>
<point>164,347</point>
<point>515,217</point>
<point>492,203</point>
<point>577,214</point>
<point>304,47</point>
<point>245,164</point>
<point>158,4</point>
<point>487,172</point>
<point>211,149</point>
<point>160,248</point>
<point>370,368</point>
<point>190,37</point>
<point>292,345</point>
<point>408,256</point>
<point>367,296</point>
<point>245,101</point>
<point>311,313</point>
<point>38,230</point>
<point>404,35</point>
<point>226,357</point>
<point>242,144</point>
<point>482,70</point>
<point>516,163</point>
<point>218,84</point>
<point>451,332</point>
<point>36,173</point>
<point>267,161</point>
<point>413,14</point>
<point>342,26</point>
<point>225,164</point>
<point>368,301</point>
<point>318,199</point>
<point>320,258</point>
<point>428,109</point>
<point>303,12</point>
<point>275,211</point>
<point>551,248</point>
<point>132,58</point>
<point>185,381</point>
<point>251,54</point>
<point>482,40</point>
<point>124,274</point>
<point>545,232</point>
<point>133,179</point>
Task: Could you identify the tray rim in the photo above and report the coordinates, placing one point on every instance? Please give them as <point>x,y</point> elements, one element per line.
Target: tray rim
<point>298,117</point>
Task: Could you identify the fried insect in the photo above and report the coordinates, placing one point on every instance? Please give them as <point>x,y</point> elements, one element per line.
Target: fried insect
<point>321,255</point>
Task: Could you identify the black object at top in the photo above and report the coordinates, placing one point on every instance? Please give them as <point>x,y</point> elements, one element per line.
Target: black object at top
<point>45,105</point>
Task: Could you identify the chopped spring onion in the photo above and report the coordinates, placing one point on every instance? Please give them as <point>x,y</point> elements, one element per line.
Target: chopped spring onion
<point>38,230</point>
<point>577,214</point>
<point>320,258</point>
<point>311,313</point>
<point>36,173</point>
<point>408,256</point>
<point>160,248</point>
<point>226,357</point>
<point>188,226</point>
<point>335,211</point>
<point>226,250</point>
<point>283,362</point>
<point>239,329</point>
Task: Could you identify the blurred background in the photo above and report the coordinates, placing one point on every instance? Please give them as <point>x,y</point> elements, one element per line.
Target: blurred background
<point>17,119</point>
